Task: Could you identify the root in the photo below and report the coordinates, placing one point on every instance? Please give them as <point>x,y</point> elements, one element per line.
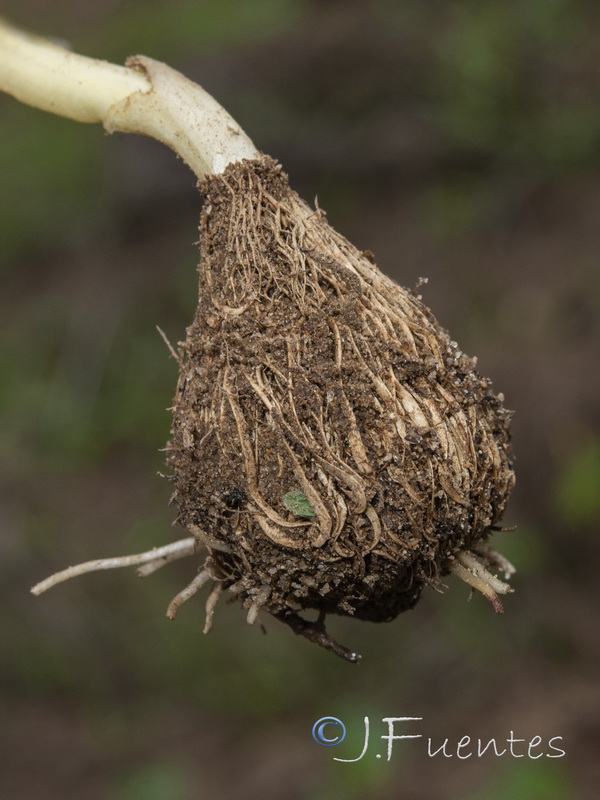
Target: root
<point>208,541</point>
<point>211,604</point>
<point>189,591</point>
<point>495,559</point>
<point>158,556</point>
<point>152,566</point>
<point>169,345</point>
<point>470,570</point>
<point>315,632</point>
<point>258,602</point>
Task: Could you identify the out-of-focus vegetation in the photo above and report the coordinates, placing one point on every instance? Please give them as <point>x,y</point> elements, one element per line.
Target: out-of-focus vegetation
<point>578,486</point>
<point>457,141</point>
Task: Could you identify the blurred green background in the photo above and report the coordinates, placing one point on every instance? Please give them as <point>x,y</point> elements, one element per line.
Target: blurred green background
<point>457,141</point>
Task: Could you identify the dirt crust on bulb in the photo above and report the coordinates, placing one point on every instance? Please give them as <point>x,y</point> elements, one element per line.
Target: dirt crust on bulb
<point>307,370</point>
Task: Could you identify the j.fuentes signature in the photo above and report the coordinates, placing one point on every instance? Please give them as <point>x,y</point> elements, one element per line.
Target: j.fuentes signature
<point>331,732</point>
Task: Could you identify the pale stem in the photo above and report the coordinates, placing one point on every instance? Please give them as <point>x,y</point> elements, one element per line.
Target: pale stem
<point>183,547</point>
<point>145,97</point>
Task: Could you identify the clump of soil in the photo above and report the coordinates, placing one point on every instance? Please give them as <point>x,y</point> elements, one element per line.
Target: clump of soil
<point>308,371</point>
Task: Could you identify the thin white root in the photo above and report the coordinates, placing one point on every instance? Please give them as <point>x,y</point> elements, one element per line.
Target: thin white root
<point>470,570</point>
<point>189,591</point>
<point>253,612</point>
<point>211,605</point>
<point>472,563</point>
<point>179,549</point>
<point>152,566</point>
<point>495,559</point>
<point>257,603</point>
<point>170,347</point>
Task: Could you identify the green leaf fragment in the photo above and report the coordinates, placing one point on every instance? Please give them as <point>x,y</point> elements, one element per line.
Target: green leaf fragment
<point>297,503</point>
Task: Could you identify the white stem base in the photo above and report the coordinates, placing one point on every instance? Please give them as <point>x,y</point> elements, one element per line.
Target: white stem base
<point>145,97</point>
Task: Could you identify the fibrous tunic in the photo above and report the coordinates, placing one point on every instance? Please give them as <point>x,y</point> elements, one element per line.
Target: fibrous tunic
<point>308,370</point>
